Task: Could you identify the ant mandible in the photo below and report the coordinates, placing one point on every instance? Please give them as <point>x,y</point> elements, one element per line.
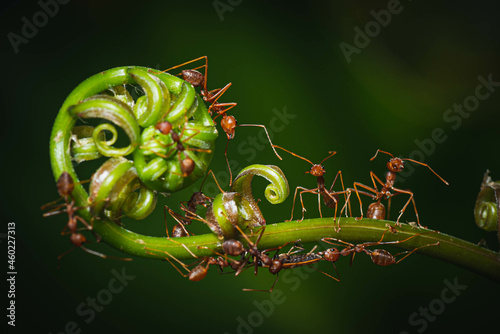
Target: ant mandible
<point>394,165</point>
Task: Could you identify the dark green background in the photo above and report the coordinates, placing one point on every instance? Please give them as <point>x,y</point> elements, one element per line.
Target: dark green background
<point>278,55</point>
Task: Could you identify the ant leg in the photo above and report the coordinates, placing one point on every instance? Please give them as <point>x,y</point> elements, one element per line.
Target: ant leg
<point>215,179</point>
<point>270,290</point>
<point>410,252</point>
<point>294,197</point>
<point>404,207</point>
<point>375,177</point>
<point>228,166</point>
<point>228,105</point>
<point>84,222</point>
<point>171,263</point>
<point>338,242</point>
<point>213,98</point>
<point>338,280</point>
<point>312,191</point>
<point>357,184</point>
<point>63,254</point>
<point>189,62</point>
<point>93,252</point>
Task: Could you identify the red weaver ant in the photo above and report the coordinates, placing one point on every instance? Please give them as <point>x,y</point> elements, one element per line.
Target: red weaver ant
<point>395,165</point>
<point>380,257</point>
<point>65,187</point>
<point>197,79</point>
<point>231,247</point>
<point>330,198</point>
<point>228,123</point>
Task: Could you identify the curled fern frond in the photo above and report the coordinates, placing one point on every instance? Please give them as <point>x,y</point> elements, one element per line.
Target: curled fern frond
<point>133,99</point>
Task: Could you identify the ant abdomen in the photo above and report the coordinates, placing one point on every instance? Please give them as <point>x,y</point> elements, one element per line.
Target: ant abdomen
<point>233,247</point>
<point>376,210</point>
<point>382,257</point>
<point>194,77</point>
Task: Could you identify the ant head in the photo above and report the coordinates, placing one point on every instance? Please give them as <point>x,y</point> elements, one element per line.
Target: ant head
<point>275,266</point>
<point>228,124</point>
<point>164,127</point>
<point>395,164</point>
<point>331,254</point>
<point>316,170</point>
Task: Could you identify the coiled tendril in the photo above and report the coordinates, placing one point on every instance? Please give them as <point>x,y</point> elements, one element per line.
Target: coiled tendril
<point>238,207</point>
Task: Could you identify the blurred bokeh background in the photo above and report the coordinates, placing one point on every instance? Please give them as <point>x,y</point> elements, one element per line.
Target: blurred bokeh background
<point>345,82</point>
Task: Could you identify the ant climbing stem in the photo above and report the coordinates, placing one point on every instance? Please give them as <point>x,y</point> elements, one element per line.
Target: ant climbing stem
<point>65,187</point>
<point>200,271</point>
<point>198,79</point>
<point>330,198</point>
<point>394,166</point>
<point>380,257</point>
<point>228,123</point>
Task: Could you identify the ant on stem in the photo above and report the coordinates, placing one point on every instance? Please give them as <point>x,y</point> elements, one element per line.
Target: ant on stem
<point>231,247</point>
<point>292,259</point>
<point>65,187</point>
<point>395,165</point>
<point>330,197</point>
<point>380,257</point>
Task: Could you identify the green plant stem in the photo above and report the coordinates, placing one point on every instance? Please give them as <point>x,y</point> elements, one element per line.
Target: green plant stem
<point>450,249</point>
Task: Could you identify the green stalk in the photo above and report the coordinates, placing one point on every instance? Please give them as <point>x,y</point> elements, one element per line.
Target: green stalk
<point>450,249</point>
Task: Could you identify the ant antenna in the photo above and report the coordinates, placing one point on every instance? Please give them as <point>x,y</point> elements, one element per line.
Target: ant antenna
<point>421,163</point>
<point>332,153</point>
<point>379,150</point>
<point>295,155</point>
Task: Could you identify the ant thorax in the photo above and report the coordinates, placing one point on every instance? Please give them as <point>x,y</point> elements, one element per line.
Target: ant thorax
<point>390,178</point>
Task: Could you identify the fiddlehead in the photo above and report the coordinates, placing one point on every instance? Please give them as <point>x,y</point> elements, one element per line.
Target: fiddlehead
<point>105,96</point>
